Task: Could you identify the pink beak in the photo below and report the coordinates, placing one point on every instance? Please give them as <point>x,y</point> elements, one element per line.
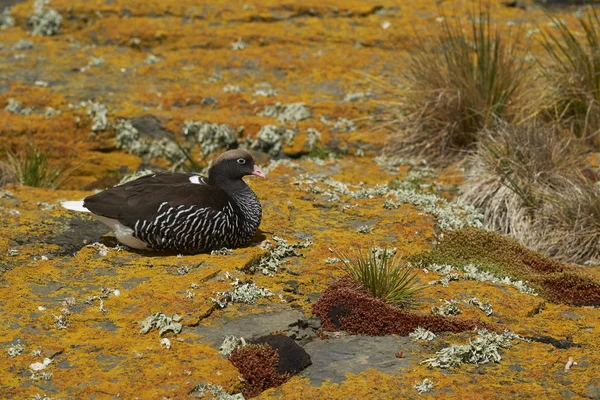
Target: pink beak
<point>258,172</point>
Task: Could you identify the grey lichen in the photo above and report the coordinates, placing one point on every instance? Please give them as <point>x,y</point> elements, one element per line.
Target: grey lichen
<point>96,61</point>
<point>485,307</point>
<point>45,21</point>
<point>243,292</point>
<point>15,350</point>
<point>215,77</point>
<point>50,112</point>
<point>6,20</point>
<point>38,396</point>
<point>222,252</point>
<point>369,193</point>
<point>161,322</point>
<point>44,376</point>
<point>129,138</point>
<point>422,334</point>
<point>217,392</point>
<point>473,272</point>
<point>272,138</point>
<point>212,137</point>
<point>485,348</point>
<point>425,386</point>
<point>23,44</point>
<point>342,124</point>
<point>292,112</point>
<point>447,308</point>
<point>450,215</point>
<point>16,107</point>
<point>265,90</point>
<point>232,89</point>
<point>98,112</point>
<point>239,45</point>
<point>230,343</point>
<point>271,262</point>
<point>383,252</point>
<point>151,59</point>
<point>364,229</point>
<point>350,97</point>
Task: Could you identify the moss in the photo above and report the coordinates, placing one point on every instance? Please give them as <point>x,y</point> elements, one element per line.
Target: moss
<point>500,255</point>
<point>258,365</point>
<point>345,306</point>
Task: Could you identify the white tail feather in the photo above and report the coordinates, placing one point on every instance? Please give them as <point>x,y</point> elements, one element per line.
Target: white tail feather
<point>75,205</point>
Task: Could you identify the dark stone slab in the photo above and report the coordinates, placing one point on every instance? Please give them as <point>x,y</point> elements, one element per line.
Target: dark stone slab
<point>292,357</point>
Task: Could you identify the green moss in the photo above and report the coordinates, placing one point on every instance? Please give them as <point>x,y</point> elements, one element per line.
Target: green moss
<point>504,256</point>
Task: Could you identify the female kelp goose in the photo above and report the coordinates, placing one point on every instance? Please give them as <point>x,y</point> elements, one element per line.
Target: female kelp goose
<point>180,212</point>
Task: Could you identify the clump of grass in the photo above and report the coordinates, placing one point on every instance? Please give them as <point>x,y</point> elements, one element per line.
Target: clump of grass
<point>572,69</point>
<point>32,167</point>
<point>530,182</point>
<point>382,275</point>
<point>456,84</point>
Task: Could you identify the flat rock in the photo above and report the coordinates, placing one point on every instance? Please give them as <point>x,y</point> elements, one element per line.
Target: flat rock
<point>333,358</point>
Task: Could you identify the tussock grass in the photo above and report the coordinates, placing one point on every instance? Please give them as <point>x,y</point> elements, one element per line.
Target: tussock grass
<point>531,183</point>
<point>32,167</point>
<point>382,275</point>
<point>457,83</point>
<point>572,69</point>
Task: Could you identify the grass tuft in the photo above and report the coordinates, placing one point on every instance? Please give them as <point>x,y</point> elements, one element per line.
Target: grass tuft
<point>572,69</point>
<point>533,184</point>
<point>382,275</point>
<point>32,168</point>
<point>457,84</point>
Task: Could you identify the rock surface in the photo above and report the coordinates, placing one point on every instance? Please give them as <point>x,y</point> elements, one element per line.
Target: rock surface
<point>67,293</point>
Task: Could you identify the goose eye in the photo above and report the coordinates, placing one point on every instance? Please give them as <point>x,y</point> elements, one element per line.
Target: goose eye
<point>241,161</point>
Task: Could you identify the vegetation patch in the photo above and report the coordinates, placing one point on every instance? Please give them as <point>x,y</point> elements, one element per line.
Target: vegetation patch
<point>258,365</point>
<point>500,255</point>
<point>45,21</point>
<point>571,69</point>
<point>32,167</point>
<point>382,275</point>
<point>456,84</point>
<point>532,183</point>
<point>346,305</point>
<point>485,348</point>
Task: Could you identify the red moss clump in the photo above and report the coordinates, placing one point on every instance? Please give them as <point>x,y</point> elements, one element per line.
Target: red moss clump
<point>572,287</point>
<point>258,365</point>
<point>344,305</point>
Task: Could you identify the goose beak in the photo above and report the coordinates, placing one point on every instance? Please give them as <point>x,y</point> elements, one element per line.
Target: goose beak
<point>256,171</point>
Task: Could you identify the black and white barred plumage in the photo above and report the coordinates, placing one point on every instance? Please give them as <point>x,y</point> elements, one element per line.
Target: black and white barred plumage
<point>183,213</point>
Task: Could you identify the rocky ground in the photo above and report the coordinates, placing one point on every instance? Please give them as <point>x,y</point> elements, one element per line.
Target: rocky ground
<point>70,296</point>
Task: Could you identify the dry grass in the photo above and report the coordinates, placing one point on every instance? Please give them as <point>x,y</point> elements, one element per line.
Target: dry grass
<point>457,84</point>
<point>572,70</point>
<point>533,184</point>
